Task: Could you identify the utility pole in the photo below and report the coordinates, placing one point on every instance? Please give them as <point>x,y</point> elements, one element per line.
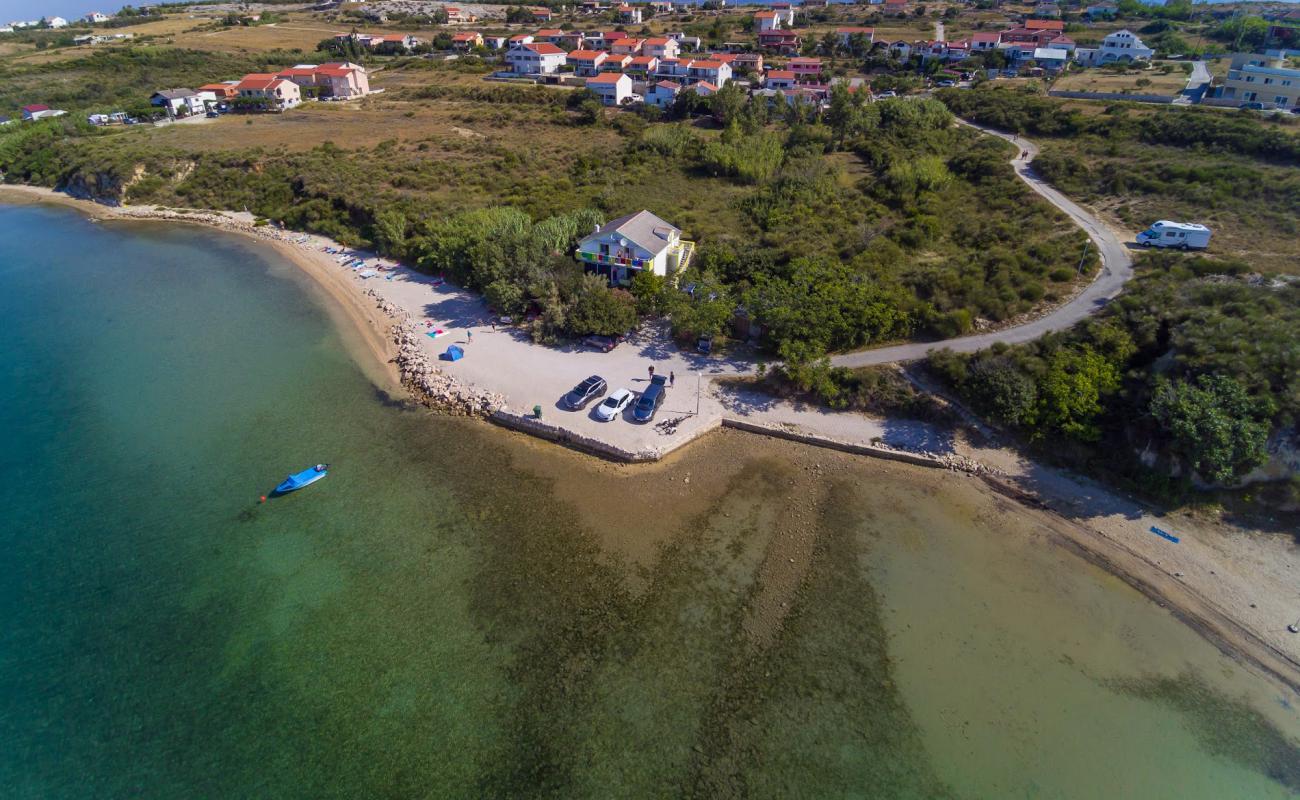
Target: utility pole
<point>1079,269</point>
<point>697,393</point>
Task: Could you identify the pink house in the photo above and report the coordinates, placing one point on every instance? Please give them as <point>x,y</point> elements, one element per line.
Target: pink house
<point>806,70</point>
<point>660,47</point>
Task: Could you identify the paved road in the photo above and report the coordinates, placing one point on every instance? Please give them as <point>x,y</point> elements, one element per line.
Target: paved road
<point>1198,82</point>
<point>938,30</point>
<point>1116,269</point>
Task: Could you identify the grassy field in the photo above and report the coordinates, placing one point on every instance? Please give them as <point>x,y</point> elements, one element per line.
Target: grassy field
<point>1151,81</point>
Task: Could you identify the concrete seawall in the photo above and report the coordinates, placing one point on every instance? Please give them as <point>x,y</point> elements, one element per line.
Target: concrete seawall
<point>528,424</point>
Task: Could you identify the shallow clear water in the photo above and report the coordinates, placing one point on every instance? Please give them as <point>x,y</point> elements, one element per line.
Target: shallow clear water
<point>459,611</point>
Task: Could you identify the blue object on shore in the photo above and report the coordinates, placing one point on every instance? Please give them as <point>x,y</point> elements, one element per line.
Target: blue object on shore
<point>300,479</point>
<point>1164,534</point>
<point>453,353</point>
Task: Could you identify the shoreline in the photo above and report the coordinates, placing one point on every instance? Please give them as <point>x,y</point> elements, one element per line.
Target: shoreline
<point>391,338</point>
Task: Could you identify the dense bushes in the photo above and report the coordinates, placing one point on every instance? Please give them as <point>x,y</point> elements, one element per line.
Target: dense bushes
<point>1204,129</point>
<point>1196,361</point>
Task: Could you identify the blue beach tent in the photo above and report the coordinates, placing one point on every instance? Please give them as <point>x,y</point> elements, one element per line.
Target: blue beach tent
<point>453,353</point>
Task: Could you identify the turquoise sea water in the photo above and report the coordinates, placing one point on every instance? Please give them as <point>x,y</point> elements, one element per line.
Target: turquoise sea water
<point>456,611</point>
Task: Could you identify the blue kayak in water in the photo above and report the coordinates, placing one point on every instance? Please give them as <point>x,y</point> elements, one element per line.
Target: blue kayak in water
<point>300,479</point>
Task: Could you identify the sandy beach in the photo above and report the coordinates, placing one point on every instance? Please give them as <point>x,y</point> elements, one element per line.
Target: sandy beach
<point>1239,588</point>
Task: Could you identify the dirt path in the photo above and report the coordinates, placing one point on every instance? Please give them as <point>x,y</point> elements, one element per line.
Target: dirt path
<point>1116,270</point>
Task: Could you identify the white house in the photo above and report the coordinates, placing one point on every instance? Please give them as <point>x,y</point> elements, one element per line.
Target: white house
<point>785,13</point>
<point>56,22</point>
<point>535,58</point>
<point>95,16</point>
<point>613,87</point>
<point>767,21</point>
<point>633,243</point>
<point>1050,58</point>
<point>180,102</point>
<point>1122,45</point>
<point>629,15</point>
<point>662,94</point>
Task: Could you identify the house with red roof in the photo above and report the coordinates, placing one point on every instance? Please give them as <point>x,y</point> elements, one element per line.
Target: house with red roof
<point>806,70</point>
<point>661,47</point>
<point>616,62</point>
<point>715,73</point>
<point>613,87</point>
<point>662,94</point>
<point>1045,25</point>
<point>222,91</point>
<point>266,92</point>
<point>535,58</point>
<point>779,79</point>
<point>586,63</point>
<point>541,14</point>
<point>766,21</point>
<point>466,40</point>
<point>780,41</point>
<point>631,47</point>
<point>551,35</point>
<point>629,15</point>
<point>643,66</point>
<point>982,42</point>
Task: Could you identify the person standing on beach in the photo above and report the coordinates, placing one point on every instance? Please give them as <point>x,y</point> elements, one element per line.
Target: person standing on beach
<point>672,377</point>
<point>469,336</point>
<point>652,372</point>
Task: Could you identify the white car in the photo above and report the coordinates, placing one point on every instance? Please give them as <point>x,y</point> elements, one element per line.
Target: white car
<point>613,405</point>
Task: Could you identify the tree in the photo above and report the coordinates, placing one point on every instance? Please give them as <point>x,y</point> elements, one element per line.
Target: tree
<point>1070,393</point>
<point>601,310</point>
<point>391,228</point>
<point>1214,425</point>
<point>998,386</point>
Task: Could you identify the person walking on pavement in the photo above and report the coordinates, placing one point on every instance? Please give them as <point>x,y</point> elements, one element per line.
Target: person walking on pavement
<point>469,336</point>
<point>672,377</point>
<point>652,372</point>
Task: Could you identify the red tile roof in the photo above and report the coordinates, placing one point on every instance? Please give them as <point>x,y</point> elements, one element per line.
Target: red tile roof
<point>780,75</point>
<point>706,64</point>
<point>986,37</point>
<point>607,77</point>
<point>586,55</point>
<point>1045,25</point>
<point>544,49</point>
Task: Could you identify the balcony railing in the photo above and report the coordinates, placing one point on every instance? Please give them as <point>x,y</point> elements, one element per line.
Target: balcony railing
<point>615,261</point>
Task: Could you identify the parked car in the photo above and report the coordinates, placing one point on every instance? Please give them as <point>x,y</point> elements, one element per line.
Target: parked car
<point>946,84</point>
<point>887,94</point>
<point>213,114</point>
<point>705,344</point>
<point>1254,106</point>
<point>584,392</point>
<point>612,406</point>
<point>602,343</point>
<point>649,401</point>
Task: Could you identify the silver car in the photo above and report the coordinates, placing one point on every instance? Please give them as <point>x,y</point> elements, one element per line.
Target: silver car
<point>613,405</point>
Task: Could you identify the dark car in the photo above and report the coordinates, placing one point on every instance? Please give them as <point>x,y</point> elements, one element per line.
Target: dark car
<point>602,343</point>
<point>704,344</point>
<point>1256,106</point>
<point>650,400</point>
<point>583,392</point>
<point>213,114</point>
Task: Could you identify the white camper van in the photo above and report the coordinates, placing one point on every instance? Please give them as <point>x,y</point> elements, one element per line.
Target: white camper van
<point>1183,235</point>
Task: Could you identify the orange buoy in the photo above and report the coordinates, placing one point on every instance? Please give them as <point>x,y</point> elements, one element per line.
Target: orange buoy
<point>263,500</point>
